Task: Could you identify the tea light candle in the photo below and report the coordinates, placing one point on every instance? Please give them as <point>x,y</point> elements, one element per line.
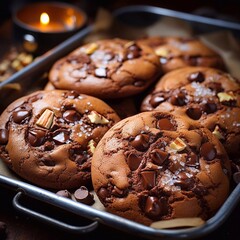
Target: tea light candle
<point>47,23</point>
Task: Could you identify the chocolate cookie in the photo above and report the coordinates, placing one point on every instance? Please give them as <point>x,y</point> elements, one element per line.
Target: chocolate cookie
<point>176,52</point>
<point>112,68</point>
<point>206,95</point>
<point>156,165</point>
<point>48,137</point>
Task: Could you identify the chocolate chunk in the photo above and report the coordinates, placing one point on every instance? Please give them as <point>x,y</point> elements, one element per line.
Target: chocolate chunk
<point>207,151</point>
<point>133,161</point>
<point>196,77</point>
<point>192,160</point>
<point>149,179</point>
<point>3,230</point>
<point>3,136</point>
<point>194,113</point>
<point>210,107</point>
<point>140,142</point>
<point>36,137</point>
<point>165,124</point>
<point>103,193</point>
<point>152,207</point>
<point>48,146</point>
<point>236,177</point>
<point>101,72</point>
<point>71,116</point>
<point>64,193</point>
<point>84,196</point>
<point>215,86</point>
<point>158,156</point>
<point>118,192</point>
<point>156,99</point>
<point>178,99</point>
<point>61,136</point>
<point>20,115</point>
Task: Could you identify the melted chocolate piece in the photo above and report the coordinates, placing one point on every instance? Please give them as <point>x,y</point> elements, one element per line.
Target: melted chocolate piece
<point>103,193</point>
<point>207,151</point>
<point>140,142</point>
<point>153,207</point>
<point>139,83</point>
<point>20,115</point>
<point>178,99</point>
<point>61,136</point>
<point>133,161</point>
<point>133,52</point>
<point>196,77</point>
<point>36,137</point>
<point>215,86</point>
<point>194,113</point>
<point>158,156</point>
<point>165,124</point>
<point>210,107</point>
<point>47,162</point>
<point>184,181</point>
<point>149,179</point>
<point>3,136</point>
<point>192,160</point>
<point>118,192</point>
<point>156,99</point>
<point>84,196</point>
<point>64,193</point>
<point>71,116</point>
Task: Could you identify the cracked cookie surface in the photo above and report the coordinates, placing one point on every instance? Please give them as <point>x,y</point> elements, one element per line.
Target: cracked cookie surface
<point>155,166</point>
<point>49,137</point>
<point>111,68</point>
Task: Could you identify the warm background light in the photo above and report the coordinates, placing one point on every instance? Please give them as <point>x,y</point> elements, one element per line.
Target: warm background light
<point>44,18</point>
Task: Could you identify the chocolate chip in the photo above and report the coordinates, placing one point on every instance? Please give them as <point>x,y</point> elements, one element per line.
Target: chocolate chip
<point>133,52</point>
<point>208,151</point>
<point>20,115</point>
<point>47,162</point>
<point>236,177</point>
<point>36,137</point>
<point>140,142</point>
<point>178,99</point>
<point>139,83</point>
<point>192,160</point>
<point>194,112</point>
<point>210,107</point>
<point>156,99</point>
<point>101,72</point>
<point>117,192</point>
<point>64,193</point>
<point>61,136</point>
<point>3,230</point>
<point>149,179</point>
<point>158,156</point>
<point>133,161</point>
<point>84,196</point>
<point>71,116</point>
<point>165,124</point>
<point>196,77</point>
<point>152,207</point>
<point>215,86</point>
<point>3,136</point>
<point>103,193</point>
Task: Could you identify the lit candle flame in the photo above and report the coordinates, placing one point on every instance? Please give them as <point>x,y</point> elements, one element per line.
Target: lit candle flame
<point>44,19</point>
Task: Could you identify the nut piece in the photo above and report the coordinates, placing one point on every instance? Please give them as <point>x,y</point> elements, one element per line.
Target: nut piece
<point>46,119</point>
<point>225,97</point>
<point>178,144</point>
<point>91,48</point>
<point>91,146</point>
<point>162,52</point>
<point>97,118</point>
<point>217,132</point>
<point>129,44</point>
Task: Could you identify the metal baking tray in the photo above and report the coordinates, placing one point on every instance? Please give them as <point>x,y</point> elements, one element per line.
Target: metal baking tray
<point>142,15</point>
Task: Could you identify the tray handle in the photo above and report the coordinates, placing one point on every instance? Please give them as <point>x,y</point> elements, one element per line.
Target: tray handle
<point>54,222</point>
